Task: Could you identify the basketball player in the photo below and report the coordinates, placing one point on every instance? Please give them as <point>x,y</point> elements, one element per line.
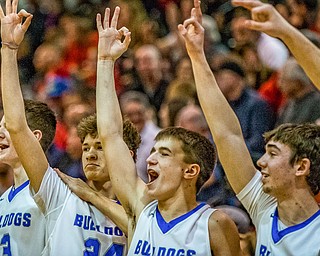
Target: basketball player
<point>164,216</point>
<point>74,227</point>
<point>279,198</point>
<point>21,221</point>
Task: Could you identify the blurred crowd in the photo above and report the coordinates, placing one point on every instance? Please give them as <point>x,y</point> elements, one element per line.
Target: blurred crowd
<point>154,80</point>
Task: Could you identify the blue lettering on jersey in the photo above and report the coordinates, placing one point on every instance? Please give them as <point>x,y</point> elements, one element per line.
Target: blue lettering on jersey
<point>86,222</point>
<point>144,248</point>
<point>264,251</point>
<point>16,219</point>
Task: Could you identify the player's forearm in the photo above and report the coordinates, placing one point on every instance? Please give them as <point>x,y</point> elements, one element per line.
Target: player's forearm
<point>219,115</point>
<point>110,128</point>
<point>11,93</point>
<point>224,126</point>
<point>109,118</point>
<point>305,52</point>
<point>112,210</point>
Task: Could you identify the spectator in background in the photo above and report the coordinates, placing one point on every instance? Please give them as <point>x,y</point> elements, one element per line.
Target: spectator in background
<point>170,108</point>
<point>133,16</point>
<point>150,79</point>
<point>302,98</point>
<point>271,51</point>
<point>183,83</point>
<point>302,13</point>
<point>254,113</point>
<point>136,107</point>
<point>191,117</point>
<point>47,61</point>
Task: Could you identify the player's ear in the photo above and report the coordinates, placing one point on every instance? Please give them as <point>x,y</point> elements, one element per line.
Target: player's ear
<point>37,134</point>
<point>131,153</point>
<point>303,167</point>
<point>192,171</point>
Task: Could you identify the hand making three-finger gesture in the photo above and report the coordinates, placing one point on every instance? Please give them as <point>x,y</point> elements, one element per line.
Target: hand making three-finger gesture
<point>13,24</point>
<point>111,46</point>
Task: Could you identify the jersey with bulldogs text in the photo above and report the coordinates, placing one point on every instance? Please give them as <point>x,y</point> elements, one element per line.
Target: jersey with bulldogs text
<point>186,235</point>
<point>76,227</point>
<point>22,224</point>
<point>273,237</point>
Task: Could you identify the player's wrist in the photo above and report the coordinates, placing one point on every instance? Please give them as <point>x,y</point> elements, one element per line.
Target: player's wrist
<point>10,45</point>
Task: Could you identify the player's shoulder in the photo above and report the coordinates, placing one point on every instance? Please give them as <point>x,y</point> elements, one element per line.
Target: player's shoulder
<point>219,217</point>
<point>220,221</point>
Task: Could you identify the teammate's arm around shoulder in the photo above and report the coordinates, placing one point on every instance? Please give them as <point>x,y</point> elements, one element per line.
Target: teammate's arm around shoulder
<point>224,236</point>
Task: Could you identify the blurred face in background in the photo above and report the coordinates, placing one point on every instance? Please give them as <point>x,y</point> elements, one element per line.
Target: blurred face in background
<point>136,113</point>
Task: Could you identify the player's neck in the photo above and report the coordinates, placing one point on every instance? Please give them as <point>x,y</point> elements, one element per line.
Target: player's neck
<point>176,206</point>
<point>297,209</point>
<point>19,176</point>
<point>103,188</point>
<point>6,181</point>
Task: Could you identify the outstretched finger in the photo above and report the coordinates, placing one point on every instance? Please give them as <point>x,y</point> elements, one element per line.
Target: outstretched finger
<point>14,6</point>
<point>248,4</point>
<point>8,7</point>
<point>196,11</point>
<point>106,18</point>
<point>114,21</point>
<point>1,13</point>
<point>99,24</point>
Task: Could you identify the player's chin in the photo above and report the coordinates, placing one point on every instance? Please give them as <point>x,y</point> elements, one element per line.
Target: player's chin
<point>152,191</point>
<point>266,189</point>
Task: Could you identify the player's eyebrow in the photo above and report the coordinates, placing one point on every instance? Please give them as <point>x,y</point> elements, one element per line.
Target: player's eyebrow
<point>160,149</point>
<point>272,146</point>
<point>164,149</point>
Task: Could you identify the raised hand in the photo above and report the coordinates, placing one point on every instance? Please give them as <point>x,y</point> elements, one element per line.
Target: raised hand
<point>111,46</point>
<point>192,31</point>
<point>13,28</point>
<point>265,18</point>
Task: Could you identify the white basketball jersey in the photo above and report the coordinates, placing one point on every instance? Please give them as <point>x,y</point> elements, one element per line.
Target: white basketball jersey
<point>186,235</point>
<point>273,238</point>
<point>22,224</point>
<point>76,228</point>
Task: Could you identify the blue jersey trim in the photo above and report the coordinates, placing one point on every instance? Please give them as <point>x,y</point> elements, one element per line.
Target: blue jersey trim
<point>14,191</point>
<point>166,226</point>
<point>278,235</point>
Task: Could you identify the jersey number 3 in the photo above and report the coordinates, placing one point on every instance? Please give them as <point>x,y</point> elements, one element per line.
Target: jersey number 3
<point>5,242</point>
<point>93,248</point>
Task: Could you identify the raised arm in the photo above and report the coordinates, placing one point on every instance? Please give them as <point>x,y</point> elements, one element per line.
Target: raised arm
<point>24,140</point>
<point>125,182</point>
<point>265,18</point>
<point>223,123</point>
